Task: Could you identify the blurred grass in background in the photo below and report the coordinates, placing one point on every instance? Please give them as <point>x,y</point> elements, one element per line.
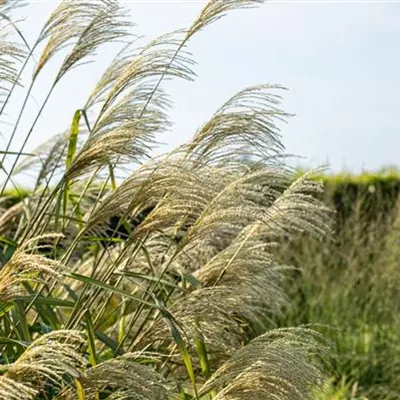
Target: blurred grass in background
<point>352,286</point>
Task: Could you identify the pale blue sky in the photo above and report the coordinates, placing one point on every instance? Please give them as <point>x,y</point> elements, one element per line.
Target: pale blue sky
<point>340,60</point>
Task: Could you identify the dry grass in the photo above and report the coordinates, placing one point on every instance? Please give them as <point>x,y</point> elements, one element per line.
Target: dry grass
<point>164,285</point>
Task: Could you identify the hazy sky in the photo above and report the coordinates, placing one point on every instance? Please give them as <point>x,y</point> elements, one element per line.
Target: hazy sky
<point>340,61</point>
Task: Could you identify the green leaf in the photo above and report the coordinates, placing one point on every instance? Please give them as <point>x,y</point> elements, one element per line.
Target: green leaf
<point>8,250</point>
<point>47,301</point>
<point>95,282</point>
<point>180,343</point>
<point>8,241</point>
<point>112,177</point>
<point>202,352</point>
<point>184,395</point>
<point>102,239</point>
<point>5,308</point>
<point>132,274</point>
<point>73,138</point>
<point>111,343</point>
<point>91,339</point>
<point>20,320</point>
<point>80,391</point>
<point>122,323</point>
<point>192,280</point>
<point>5,340</point>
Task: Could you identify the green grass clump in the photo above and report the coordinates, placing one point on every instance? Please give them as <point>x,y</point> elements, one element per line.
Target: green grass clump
<point>127,276</point>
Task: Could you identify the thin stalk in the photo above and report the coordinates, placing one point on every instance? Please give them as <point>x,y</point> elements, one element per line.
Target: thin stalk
<point>29,132</point>
<point>30,54</point>
<point>36,212</point>
<point>21,111</point>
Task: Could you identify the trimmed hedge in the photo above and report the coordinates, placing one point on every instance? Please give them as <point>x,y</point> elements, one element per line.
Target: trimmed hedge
<point>11,197</point>
<point>372,195</point>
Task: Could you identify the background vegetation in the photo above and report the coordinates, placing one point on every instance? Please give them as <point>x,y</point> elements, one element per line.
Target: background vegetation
<point>351,283</point>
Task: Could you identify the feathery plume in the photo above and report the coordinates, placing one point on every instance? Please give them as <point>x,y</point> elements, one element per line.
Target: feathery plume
<point>11,55</point>
<point>24,267</point>
<point>123,378</point>
<point>133,111</point>
<point>91,23</point>
<point>156,59</point>
<point>242,283</point>
<point>51,358</point>
<point>282,364</point>
<point>297,209</point>
<point>110,76</point>
<point>243,127</point>
<point>12,390</point>
<point>216,9</point>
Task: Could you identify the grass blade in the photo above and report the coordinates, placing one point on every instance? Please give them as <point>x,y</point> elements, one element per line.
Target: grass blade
<point>95,282</point>
<point>91,339</point>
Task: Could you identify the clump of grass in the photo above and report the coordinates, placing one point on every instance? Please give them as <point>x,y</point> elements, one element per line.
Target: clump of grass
<point>164,285</point>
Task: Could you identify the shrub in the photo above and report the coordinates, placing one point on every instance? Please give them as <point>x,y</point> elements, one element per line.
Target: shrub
<point>371,196</point>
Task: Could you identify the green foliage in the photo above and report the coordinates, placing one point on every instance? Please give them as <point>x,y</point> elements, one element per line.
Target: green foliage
<point>370,195</point>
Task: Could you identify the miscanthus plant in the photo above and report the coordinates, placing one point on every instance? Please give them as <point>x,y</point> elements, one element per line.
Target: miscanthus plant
<point>162,284</point>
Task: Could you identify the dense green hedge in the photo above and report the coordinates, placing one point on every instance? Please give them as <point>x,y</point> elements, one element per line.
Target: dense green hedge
<point>371,195</point>
<point>374,195</point>
<point>11,197</point>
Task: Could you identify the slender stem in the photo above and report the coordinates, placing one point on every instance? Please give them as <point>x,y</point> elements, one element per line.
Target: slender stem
<point>29,133</point>
<point>36,213</point>
<point>22,68</point>
<point>11,180</point>
<point>7,18</point>
<point>17,122</point>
